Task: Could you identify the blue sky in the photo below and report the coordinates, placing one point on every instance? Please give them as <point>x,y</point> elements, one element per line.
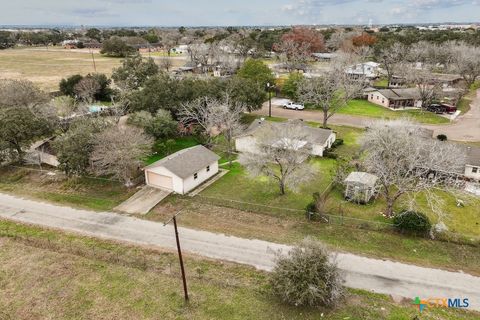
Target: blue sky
<point>234,12</point>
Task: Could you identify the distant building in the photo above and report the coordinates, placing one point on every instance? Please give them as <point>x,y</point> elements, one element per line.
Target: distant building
<point>324,56</point>
<point>369,70</point>
<point>445,80</point>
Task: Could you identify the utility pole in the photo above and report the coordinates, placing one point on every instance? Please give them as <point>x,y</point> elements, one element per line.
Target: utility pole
<point>269,100</point>
<point>184,279</point>
<point>93,59</point>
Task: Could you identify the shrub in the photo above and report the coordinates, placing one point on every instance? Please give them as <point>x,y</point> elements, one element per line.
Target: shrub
<point>412,222</point>
<point>337,142</point>
<point>307,277</point>
<point>442,137</point>
<point>330,154</point>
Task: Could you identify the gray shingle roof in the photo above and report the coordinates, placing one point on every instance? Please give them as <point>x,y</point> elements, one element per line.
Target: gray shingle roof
<point>400,94</point>
<point>473,156</point>
<point>315,135</point>
<point>186,162</point>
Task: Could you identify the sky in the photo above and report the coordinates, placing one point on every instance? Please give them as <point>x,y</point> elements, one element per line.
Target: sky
<point>234,12</point>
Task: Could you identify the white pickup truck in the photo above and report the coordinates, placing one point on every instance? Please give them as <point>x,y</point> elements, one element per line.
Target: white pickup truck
<point>293,106</point>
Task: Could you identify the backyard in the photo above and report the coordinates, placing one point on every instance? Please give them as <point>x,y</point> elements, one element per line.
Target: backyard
<point>84,278</point>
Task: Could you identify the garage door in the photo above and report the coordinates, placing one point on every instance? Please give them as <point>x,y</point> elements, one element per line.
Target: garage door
<point>161,181</point>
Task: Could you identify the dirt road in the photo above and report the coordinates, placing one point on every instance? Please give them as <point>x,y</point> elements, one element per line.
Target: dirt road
<point>382,276</point>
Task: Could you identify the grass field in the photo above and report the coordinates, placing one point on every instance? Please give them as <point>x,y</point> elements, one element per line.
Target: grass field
<point>47,67</point>
<point>368,109</point>
<point>50,275</point>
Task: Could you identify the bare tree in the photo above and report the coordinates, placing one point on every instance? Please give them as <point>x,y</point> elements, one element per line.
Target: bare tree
<point>199,54</point>
<point>215,117</point>
<point>391,57</point>
<point>465,60</point>
<point>119,151</point>
<point>407,164</point>
<point>423,79</point>
<point>294,55</point>
<point>86,89</point>
<point>330,91</point>
<point>166,63</point>
<point>282,153</point>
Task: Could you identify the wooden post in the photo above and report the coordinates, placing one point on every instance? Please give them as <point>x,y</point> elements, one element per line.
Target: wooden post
<point>185,290</point>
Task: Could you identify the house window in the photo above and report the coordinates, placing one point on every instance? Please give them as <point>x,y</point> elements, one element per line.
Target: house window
<point>474,169</point>
<point>378,97</point>
<point>208,168</point>
<point>195,176</point>
<point>383,100</point>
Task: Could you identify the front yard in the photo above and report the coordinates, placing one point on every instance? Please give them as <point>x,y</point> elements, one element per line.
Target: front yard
<point>368,109</point>
<point>237,185</point>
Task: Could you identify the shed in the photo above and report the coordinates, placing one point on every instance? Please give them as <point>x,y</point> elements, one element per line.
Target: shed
<point>360,187</point>
<point>182,171</point>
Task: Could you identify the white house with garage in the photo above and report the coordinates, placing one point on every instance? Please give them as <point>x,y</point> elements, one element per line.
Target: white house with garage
<point>182,171</point>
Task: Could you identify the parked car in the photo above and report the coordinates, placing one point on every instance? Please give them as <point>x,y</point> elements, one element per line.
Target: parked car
<point>293,106</point>
<point>449,108</point>
<point>436,108</point>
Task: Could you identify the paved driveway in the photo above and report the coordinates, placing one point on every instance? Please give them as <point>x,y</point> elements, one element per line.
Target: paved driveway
<point>143,201</point>
<point>381,276</point>
<point>466,127</point>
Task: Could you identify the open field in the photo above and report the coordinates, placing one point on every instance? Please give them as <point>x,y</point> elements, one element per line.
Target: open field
<point>48,274</point>
<point>47,67</point>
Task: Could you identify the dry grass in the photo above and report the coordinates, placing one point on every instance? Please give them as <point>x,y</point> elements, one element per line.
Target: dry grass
<point>51,275</point>
<point>47,67</point>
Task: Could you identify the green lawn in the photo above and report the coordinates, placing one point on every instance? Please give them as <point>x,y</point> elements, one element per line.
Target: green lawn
<point>368,109</point>
<point>46,274</point>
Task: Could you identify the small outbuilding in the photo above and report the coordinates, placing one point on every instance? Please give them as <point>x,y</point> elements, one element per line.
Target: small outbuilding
<point>360,187</point>
<point>182,171</point>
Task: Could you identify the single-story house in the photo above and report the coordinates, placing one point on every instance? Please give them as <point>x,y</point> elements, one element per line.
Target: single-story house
<point>182,171</point>
<point>396,98</point>
<point>317,139</point>
<point>368,70</point>
<point>360,187</point>
<point>472,165</point>
<point>445,80</point>
<point>324,56</point>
